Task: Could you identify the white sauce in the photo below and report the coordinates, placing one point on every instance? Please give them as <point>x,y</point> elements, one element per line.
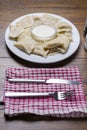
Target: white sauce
<point>44,32</point>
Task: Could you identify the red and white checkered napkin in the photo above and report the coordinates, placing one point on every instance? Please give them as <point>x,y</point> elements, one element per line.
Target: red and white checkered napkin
<point>75,107</point>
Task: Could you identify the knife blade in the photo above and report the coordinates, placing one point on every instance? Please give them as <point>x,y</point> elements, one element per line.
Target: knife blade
<point>60,81</point>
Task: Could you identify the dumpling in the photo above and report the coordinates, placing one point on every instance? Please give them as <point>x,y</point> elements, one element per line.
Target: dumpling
<point>25,22</point>
<point>25,33</point>
<point>60,41</point>
<point>49,20</point>
<point>63,27</point>
<point>39,50</point>
<point>15,31</point>
<point>25,44</point>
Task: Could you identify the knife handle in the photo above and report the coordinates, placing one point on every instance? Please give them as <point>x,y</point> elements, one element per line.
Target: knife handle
<point>26,80</point>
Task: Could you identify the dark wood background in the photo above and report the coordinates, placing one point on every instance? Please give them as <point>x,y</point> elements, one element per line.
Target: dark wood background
<point>73,10</point>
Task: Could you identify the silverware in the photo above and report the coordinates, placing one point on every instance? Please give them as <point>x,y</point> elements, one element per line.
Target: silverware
<point>85,28</point>
<point>61,81</point>
<point>56,95</point>
<point>85,35</point>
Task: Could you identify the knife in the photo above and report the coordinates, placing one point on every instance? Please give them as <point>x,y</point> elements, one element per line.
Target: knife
<point>60,81</point>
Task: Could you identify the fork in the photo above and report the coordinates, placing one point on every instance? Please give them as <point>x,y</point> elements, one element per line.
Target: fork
<point>56,95</point>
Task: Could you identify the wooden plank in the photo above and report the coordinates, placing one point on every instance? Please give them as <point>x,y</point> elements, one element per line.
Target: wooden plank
<point>49,3</point>
<point>10,15</point>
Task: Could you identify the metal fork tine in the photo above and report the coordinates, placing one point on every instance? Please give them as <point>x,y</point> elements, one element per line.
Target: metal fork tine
<point>62,95</point>
<point>69,93</point>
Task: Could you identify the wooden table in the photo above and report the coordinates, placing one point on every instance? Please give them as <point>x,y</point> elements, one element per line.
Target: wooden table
<point>76,12</point>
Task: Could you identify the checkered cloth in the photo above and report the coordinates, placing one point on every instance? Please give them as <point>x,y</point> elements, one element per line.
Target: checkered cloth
<point>75,107</point>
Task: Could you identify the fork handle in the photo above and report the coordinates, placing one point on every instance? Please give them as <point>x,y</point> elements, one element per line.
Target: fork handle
<point>24,94</point>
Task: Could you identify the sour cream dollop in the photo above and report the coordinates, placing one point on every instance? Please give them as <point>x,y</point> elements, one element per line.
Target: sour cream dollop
<point>43,32</point>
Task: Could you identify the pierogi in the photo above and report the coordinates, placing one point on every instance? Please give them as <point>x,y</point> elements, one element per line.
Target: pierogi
<point>21,33</point>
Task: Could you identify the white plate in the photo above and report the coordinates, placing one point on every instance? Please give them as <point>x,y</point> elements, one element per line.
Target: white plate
<point>50,59</point>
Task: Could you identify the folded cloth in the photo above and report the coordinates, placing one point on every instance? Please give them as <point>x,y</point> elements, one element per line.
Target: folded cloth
<point>48,106</point>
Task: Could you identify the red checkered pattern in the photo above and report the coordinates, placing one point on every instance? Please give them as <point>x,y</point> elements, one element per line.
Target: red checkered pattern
<point>75,107</point>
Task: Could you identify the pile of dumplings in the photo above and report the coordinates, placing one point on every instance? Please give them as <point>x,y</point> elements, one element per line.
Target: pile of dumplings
<point>21,34</point>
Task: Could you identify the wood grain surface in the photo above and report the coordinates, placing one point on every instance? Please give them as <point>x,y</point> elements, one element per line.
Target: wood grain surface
<point>73,10</point>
